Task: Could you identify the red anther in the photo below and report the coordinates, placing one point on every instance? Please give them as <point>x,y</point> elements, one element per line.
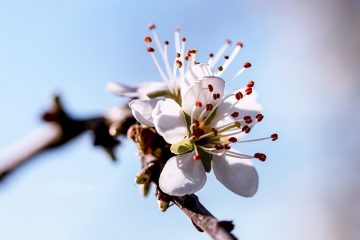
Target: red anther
<point>166,42</point>
<point>211,88</point>
<point>233,139</point>
<point>198,104</point>
<point>196,122</point>
<point>227,146</point>
<point>197,132</point>
<point>179,63</point>
<point>214,131</point>
<point>209,107</point>
<point>186,58</point>
<point>219,147</point>
<point>150,49</point>
<point>260,156</point>
<point>211,55</point>
<point>220,68</point>
<point>196,157</point>
<point>235,114</point>
<point>183,39</point>
<point>248,91</point>
<point>228,41</point>
<point>250,84</point>
<point>226,57</point>
<point>247,65</point>
<point>246,129</point>
<point>214,96</point>
<point>274,137</point>
<point>152,26</point>
<point>147,39</point>
<point>259,117</point>
<point>192,51</point>
<point>248,119</point>
<point>239,95</point>
<point>240,44</point>
<point>218,95</point>
<point>178,55</point>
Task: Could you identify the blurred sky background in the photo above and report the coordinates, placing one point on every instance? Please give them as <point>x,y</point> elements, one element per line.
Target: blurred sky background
<point>306,67</point>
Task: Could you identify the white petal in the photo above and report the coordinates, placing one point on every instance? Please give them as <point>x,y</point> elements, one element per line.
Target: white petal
<point>140,90</point>
<point>238,175</point>
<point>196,72</point>
<point>182,175</point>
<point>200,92</point>
<point>169,121</point>
<point>142,110</point>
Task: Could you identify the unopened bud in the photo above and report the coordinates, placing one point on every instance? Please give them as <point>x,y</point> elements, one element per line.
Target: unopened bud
<point>163,205</point>
<point>142,178</point>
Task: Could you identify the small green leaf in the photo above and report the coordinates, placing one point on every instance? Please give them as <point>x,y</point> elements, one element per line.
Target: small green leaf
<point>182,147</point>
<point>205,159</point>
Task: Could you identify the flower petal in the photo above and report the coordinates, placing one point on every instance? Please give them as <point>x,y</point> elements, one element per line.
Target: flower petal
<point>140,90</point>
<point>169,121</point>
<point>200,92</point>
<point>142,110</point>
<point>237,174</point>
<point>182,175</point>
<point>196,72</point>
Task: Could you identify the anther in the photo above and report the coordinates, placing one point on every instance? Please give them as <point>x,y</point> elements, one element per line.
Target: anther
<point>147,39</point>
<point>216,96</point>
<point>184,39</point>
<point>186,58</point>
<point>211,88</point>
<point>246,129</point>
<point>150,49</point>
<point>219,147</point>
<point>259,117</point>
<point>211,55</point>
<point>192,51</point>
<point>248,119</point>
<point>226,57</point>
<point>240,44</point>
<point>209,107</point>
<point>214,131</point>
<point>250,84</point>
<point>166,42</point>
<point>274,137</point>
<point>247,65</point>
<point>235,114</point>
<point>228,41</point>
<point>248,91</point>
<point>178,55</point>
<point>233,139</point>
<point>239,95</point>
<point>227,146</point>
<point>260,156</point>
<point>220,68</point>
<point>198,104</point>
<point>196,157</point>
<point>196,122</point>
<point>152,26</point>
<point>179,63</point>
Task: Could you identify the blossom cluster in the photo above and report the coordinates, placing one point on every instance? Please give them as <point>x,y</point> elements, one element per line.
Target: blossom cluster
<point>192,112</point>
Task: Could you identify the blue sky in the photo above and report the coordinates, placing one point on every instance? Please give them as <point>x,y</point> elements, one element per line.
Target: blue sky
<point>76,47</point>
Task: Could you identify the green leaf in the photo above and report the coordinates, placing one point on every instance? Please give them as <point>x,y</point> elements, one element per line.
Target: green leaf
<point>205,159</point>
<point>182,147</point>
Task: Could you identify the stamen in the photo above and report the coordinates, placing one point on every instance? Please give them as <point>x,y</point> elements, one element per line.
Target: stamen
<point>241,70</point>
<point>274,137</point>
<point>250,84</point>
<point>198,104</point>
<point>239,95</point>
<point>248,119</point>
<point>209,107</point>
<point>220,68</point>
<point>235,114</point>
<point>231,58</point>
<point>211,88</point>
<point>233,140</point>
<point>246,129</point>
<point>219,53</point>
<point>248,91</point>
<point>196,157</point>
<point>219,147</point>
<point>147,39</point>
<point>238,155</point>
<point>260,156</point>
<point>259,117</point>
<point>227,146</point>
